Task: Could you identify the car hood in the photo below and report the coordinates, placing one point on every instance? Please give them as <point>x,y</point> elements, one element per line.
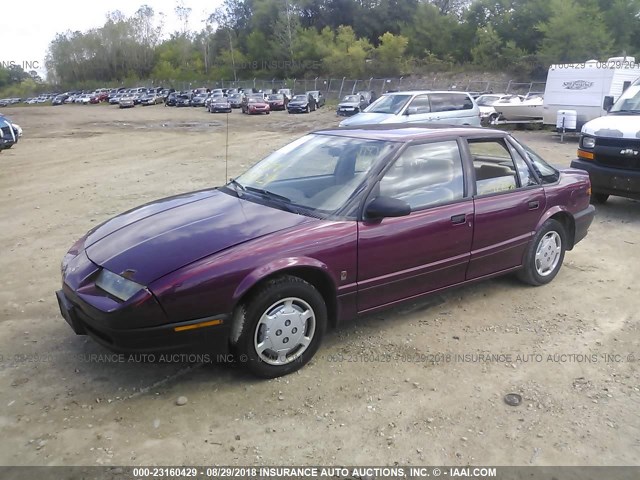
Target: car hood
<point>348,104</point>
<point>364,118</point>
<point>160,237</point>
<point>614,126</point>
<point>296,103</point>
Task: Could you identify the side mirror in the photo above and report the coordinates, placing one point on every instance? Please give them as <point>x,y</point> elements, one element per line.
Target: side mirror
<point>383,207</point>
<point>411,111</point>
<point>607,103</point>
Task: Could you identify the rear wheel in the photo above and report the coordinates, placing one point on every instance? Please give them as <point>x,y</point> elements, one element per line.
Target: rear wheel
<point>280,328</point>
<point>599,198</point>
<point>545,254</point>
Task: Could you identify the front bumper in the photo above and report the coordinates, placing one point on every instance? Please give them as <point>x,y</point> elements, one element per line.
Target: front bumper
<point>83,320</point>
<point>296,109</point>
<point>611,181</point>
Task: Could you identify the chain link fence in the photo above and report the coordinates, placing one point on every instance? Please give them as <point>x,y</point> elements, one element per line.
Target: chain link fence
<point>336,88</point>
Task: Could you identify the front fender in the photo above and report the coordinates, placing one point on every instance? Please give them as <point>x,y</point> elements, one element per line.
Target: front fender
<point>280,265</point>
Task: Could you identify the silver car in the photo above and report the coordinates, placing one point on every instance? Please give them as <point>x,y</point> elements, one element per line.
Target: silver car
<point>451,108</point>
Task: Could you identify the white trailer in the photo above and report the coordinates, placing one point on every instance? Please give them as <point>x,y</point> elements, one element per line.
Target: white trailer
<point>581,87</point>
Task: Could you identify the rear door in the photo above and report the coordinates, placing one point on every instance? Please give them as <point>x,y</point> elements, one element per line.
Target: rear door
<point>508,204</point>
<point>399,258</point>
<point>454,109</point>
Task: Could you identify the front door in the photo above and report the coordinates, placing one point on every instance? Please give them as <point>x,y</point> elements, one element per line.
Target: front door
<point>402,257</point>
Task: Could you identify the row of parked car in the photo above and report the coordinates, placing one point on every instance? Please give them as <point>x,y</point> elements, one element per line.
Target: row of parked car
<point>248,101</point>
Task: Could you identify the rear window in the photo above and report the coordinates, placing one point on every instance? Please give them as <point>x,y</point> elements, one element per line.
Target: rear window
<point>445,102</point>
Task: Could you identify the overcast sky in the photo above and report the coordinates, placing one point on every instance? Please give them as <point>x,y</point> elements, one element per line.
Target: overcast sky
<point>27,27</point>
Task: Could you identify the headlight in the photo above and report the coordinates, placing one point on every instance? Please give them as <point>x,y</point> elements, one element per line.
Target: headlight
<point>117,286</point>
<point>73,252</point>
<point>588,142</point>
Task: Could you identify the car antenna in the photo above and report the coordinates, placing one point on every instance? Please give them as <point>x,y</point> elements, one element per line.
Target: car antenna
<point>226,153</point>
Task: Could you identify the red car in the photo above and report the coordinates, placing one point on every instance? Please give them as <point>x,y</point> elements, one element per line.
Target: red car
<point>255,105</point>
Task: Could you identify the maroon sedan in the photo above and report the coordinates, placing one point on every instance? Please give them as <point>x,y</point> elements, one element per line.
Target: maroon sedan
<point>337,224</point>
<point>277,101</point>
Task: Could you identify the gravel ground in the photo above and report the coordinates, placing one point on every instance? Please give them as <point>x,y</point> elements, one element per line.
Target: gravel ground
<point>420,384</point>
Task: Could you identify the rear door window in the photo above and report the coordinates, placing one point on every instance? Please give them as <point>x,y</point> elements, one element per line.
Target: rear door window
<point>446,102</point>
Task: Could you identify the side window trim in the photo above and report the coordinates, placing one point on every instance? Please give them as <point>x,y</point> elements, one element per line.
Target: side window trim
<point>513,151</point>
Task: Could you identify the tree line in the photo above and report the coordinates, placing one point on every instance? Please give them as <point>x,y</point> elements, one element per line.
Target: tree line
<point>345,38</point>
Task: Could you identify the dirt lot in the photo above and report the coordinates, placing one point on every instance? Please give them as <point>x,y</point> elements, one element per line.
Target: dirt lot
<point>430,404</point>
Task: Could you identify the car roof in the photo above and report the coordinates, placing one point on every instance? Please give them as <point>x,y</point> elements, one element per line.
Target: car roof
<point>406,133</point>
<point>420,92</point>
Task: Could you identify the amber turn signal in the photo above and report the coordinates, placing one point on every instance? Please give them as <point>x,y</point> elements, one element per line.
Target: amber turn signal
<point>585,155</point>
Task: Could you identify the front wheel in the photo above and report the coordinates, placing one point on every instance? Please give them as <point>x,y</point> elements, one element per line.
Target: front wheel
<point>280,328</point>
<point>545,254</point>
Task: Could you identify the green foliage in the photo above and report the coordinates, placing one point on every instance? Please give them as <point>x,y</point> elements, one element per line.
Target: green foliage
<point>390,54</point>
<point>574,33</point>
<point>342,38</point>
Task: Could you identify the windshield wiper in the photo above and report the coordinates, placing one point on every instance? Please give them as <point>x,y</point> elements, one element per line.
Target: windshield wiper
<point>269,194</point>
<point>283,202</point>
<point>632,112</point>
<point>238,185</point>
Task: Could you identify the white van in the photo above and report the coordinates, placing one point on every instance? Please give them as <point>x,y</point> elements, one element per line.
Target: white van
<point>581,87</point>
<point>451,108</point>
<point>609,148</point>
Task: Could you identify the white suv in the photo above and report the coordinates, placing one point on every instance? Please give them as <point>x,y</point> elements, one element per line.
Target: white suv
<point>451,108</point>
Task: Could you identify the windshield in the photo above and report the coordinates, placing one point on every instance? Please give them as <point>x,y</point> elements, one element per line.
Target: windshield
<point>629,101</point>
<point>392,104</point>
<point>300,98</point>
<point>351,98</point>
<point>487,100</point>
<point>276,97</point>
<point>316,172</point>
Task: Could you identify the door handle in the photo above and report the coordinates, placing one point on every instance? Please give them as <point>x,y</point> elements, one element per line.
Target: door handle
<point>534,204</point>
<point>458,219</point>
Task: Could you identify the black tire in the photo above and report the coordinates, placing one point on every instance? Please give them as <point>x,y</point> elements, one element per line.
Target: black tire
<point>549,234</point>
<point>599,198</point>
<point>307,110</point>
<point>248,328</point>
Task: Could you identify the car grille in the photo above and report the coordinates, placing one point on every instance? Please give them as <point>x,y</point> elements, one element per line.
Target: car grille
<point>628,163</point>
<point>608,153</point>
<point>619,143</point>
